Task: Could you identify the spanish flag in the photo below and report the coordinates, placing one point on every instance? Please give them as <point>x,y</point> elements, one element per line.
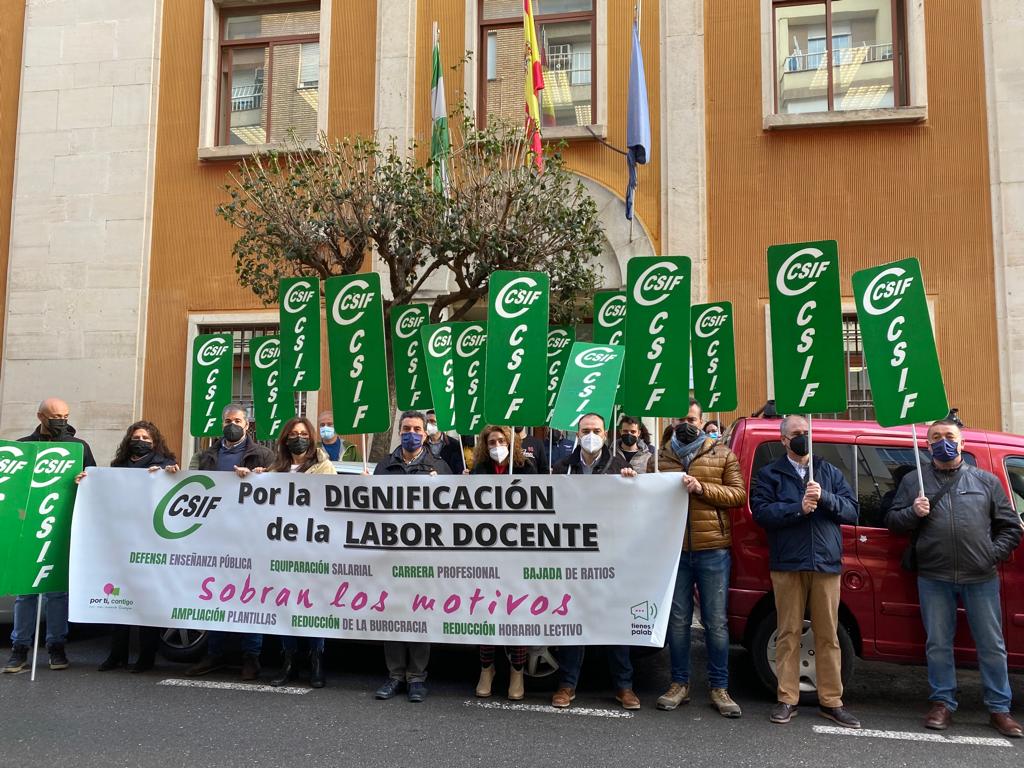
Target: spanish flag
<point>533,84</point>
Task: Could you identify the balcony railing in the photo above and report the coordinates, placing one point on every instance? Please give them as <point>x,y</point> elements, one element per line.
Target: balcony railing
<point>864,54</point>
<point>576,64</point>
<point>246,97</point>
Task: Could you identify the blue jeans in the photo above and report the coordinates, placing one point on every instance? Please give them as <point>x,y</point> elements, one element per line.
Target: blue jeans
<point>291,644</point>
<point>251,644</point>
<point>708,570</point>
<point>570,661</point>
<point>56,613</point>
<point>984,616</point>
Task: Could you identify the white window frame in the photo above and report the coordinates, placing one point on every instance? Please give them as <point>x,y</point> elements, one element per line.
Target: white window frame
<point>599,127</point>
<point>222,320</point>
<point>301,84</point>
<point>917,76</point>
<point>208,106</point>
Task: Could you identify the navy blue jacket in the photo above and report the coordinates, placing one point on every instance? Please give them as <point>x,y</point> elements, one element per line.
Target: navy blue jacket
<point>799,542</point>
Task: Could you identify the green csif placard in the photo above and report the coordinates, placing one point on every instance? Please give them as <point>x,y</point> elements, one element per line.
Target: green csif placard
<point>656,379</point>
<point>212,368</point>
<point>37,561</point>
<point>469,341</point>
<point>560,340</point>
<point>299,299</point>
<point>17,461</point>
<point>899,345</point>
<point>272,402</point>
<point>412,392</point>
<point>355,341</point>
<point>808,362</point>
<point>437,351</point>
<point>714,356</point>
<point>589,384</point>
<point>515,380</point>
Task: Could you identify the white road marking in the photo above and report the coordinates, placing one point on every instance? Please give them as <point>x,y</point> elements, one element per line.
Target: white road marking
<point>974,741</point>
<point>547,710</point>
<point>250,687</point>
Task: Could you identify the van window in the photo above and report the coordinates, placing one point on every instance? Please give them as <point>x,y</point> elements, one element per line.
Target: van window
<point>880,468</point>
<point>840,455</point>
<point>1015,474</point>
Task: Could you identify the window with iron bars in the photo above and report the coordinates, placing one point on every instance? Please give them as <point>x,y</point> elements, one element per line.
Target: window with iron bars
<point>241,378</point>
<point>859,406</point>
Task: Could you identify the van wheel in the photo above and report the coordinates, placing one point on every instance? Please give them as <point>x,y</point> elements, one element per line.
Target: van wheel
<point>183,645</point>
<point>763,651</point>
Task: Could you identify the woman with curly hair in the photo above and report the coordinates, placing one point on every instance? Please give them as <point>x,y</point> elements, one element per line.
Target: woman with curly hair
<point>142,447</point>
<point>296,451</point>
<point>491,457</point>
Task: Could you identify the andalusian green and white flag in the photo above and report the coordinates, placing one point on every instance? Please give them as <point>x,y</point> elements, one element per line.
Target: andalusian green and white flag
<point>440,143</point>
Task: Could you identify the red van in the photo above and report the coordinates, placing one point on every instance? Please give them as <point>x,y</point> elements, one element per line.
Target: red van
<point>879,615</point>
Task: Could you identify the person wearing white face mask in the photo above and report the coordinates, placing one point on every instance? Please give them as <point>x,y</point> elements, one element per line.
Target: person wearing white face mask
<point>491,457</point>
<point>593,457</point>
<point>442,446</point>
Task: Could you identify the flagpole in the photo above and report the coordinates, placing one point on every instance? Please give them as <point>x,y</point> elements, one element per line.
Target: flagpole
<point>810,450</point>
<point>551,449</point>
<point>637,16</point>
<point>35,637</point>
<point>917,461</point>
<point>366,467</point>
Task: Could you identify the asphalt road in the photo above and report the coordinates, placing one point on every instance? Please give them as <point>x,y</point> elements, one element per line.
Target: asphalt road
<point>79,717</point>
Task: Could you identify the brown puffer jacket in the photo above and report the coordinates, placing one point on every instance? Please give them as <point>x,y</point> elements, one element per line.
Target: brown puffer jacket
<point>718,471</point>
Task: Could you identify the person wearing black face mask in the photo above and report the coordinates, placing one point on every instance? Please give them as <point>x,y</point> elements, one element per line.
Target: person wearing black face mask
<point>297,452</point>
<point>142,447</point>
<point>962,527</point>
<point>633,451</point>
<point>53,427</point>
<point>804,519</point>
<point>235,451</point>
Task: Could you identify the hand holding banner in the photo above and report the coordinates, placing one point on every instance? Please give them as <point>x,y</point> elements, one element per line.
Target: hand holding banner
<point>299,299</point>
<point>412,391</point>
<point>714,356</point>
<point>899,346</point>
<point>212,368</point>
<point>517,333</point>
<point>272,402</point>
<point>355,335</point>
<point>808,363</point>
<point>657,337</point>
<point>588,385</point>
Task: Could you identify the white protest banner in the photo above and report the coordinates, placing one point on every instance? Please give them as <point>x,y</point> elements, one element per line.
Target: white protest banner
<point>534,560</point>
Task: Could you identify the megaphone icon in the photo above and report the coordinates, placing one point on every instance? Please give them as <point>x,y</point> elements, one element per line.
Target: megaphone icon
<point>645,611</point>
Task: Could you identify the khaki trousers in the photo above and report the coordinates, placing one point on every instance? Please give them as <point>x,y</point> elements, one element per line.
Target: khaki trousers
<point>793,591</point>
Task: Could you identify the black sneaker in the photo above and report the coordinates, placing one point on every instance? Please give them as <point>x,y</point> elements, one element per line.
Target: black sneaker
<point>782,713</point>
<point>840,716</point>
<point>58,659</point>
<point>390,688</point>
<point>18,660</point>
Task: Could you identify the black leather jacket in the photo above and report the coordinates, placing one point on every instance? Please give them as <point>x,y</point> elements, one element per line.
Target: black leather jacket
<point>967,534</point>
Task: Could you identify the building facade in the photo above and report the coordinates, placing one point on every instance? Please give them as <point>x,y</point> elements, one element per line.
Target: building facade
<point>866,121</point>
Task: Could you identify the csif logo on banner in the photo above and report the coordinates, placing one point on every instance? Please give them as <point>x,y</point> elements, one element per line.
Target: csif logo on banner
<point>355,334</point>
<point>657,337</point>
<point>184,502</point>
<point>412,392</point>
<point>609,317</point>
<point>517,327</point>
<point>273,403</point>
<point>299,299</point>
<point>212,357</point>
<point>470,341</point>
<point>560,340</point>
<point>588,385</point>
<point>808,362</point>
<point>437,344</point>
<point>714,356</point>
<point>899,345</point>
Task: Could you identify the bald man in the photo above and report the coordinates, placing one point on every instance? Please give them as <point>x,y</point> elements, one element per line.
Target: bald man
<point>53,427</point>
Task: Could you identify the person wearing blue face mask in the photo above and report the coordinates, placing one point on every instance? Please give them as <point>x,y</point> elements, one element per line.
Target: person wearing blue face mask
<point>962,527</point>
<point>332,445</point>
<point>713,430</point>
<point>407,662</point>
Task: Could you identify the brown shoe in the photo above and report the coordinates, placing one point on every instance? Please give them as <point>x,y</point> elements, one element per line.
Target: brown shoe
<point>1006,725</point>
<point>563,698</point>
<point>250,667</point>
<point>627,698</point>
<point>939,717</point>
